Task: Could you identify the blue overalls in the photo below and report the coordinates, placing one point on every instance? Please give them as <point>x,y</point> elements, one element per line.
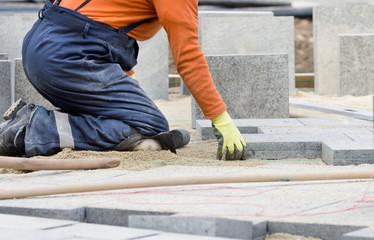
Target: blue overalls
<point>79,65</point>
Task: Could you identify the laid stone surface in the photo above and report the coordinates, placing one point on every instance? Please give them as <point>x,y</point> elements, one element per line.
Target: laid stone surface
<point>30,223</point>
<point>355,113</point>
<point>24,89</point>
<point>348,153</point>
<point>55,212</point>
<point>252,86</point>
<point>324,231</point>
<point>329,22</point>
<point>13,28</point>
<point>366,233</point>
<point>3,56</point>
<point>335,122</point>
<point>153,66</point>
<point>222,33</point>
<point>347,130</point>
<point>5,87</point>
<point>115,217</point>
<point>356,64</point>
<point>217,227</point>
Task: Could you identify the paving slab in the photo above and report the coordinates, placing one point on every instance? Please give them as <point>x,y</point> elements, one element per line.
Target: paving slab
<point>13,28</point>
<point>153,66</point>
<point>3,56</point>
<point>329,22</point>
<point>255,33</point>
<point>355,113</point>
<point>356,64</point>
<point>214,227</point>
<point>5,87</point>
<point>361,234</point>
<point>348,153</point>
<point>260,80</point>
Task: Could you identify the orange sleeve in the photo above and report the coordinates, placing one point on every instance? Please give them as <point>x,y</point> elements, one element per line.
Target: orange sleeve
<point>180,20</point>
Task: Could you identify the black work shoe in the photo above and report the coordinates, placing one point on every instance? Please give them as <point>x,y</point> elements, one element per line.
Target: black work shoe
<point>164,141</point>
<point>12,131</point>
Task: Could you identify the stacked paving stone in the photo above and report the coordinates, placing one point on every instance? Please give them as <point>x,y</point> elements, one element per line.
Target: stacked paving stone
<point>331,23</point>
<point>5,89</point>
<point>338,141</point>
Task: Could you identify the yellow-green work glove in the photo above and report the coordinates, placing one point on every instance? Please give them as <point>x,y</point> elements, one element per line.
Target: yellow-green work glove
<point>230,141</point>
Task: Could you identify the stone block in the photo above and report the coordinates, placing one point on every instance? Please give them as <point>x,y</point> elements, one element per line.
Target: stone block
<point>115,217</point>
<point>323,231</point>
<point>24,89</point>
<point>5,87</point>
<point>348,152</point>
<point>3,56</point>
<point>13,28</point>
<point>216,227</point>
<point>153,66</point>
<point>96,231</point>
<point>184,90</point>
<point>356,64</point>
<point>30,223</point>
<point>355,113</point>
<point>58,212</point>
<point>366,233</point>
<point>252,86</point>
<point>329,22</point>
<point>222,33</point>
<point>335,122</point>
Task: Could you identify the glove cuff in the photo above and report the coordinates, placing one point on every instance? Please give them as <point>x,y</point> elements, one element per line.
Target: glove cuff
<point>222,118</point>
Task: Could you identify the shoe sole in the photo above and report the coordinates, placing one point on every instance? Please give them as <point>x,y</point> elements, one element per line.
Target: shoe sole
<point>12,111</point>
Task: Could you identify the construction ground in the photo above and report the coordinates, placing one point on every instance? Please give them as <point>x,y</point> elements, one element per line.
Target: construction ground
<point>326,209</point>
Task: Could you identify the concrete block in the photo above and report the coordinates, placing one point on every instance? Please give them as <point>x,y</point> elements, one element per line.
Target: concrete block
<point>324,231</point>
<point>173,236</point>
<point>64,213</point>
<point>348,153</point>
<point>18,234</point>
<point>13,28</point>
<point>329,22</point>
<point>3,56</point>
<point>184,89</point>
<point>30,223</point>
<point>153,66</point>
<point>24,89</point>
<point>356,64</point>
<point>350,131</point>
<point>5,87</point>
<point>261,81</point>
<point>115,217</point>
<point>355,113</point>
<point>222,33</point>
<point>335,122</point>
<point>217,227</point>
<point>96,231</point>
<point>366,233</point>
<point>293,145</point>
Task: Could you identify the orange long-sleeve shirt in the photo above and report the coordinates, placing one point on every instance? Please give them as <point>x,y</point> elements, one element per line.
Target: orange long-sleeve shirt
<point>180,20</point>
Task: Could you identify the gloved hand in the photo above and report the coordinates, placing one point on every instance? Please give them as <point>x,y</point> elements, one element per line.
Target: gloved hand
<point>229,138</point>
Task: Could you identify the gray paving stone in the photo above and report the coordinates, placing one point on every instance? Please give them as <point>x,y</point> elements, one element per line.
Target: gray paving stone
<point>335,122</point>
<point>13,28</point>
<point>324,231</point>
<point>255,33</point>
<point>115,217</point>
<point>260,81</point>
<point>96,231</point>
<point>355,131</point>
<point>57,212</point>
<point>19,234</point>
<point>184,90</point>
<point>5,87</point>
<point>329,22</point>
<point>3,56</point>
<point>30,223</point>
<point>24,89</point>
<point>153,66</point>
<point>217,227</point>
<point>355,113</point>
<point>356,64</point>
<point>348,153</point>
<point>173,236</point>
<point>361,234</point>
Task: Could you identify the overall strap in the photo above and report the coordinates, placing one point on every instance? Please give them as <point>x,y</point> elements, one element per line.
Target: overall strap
<point>57,2</point>
<point>131,27</point>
